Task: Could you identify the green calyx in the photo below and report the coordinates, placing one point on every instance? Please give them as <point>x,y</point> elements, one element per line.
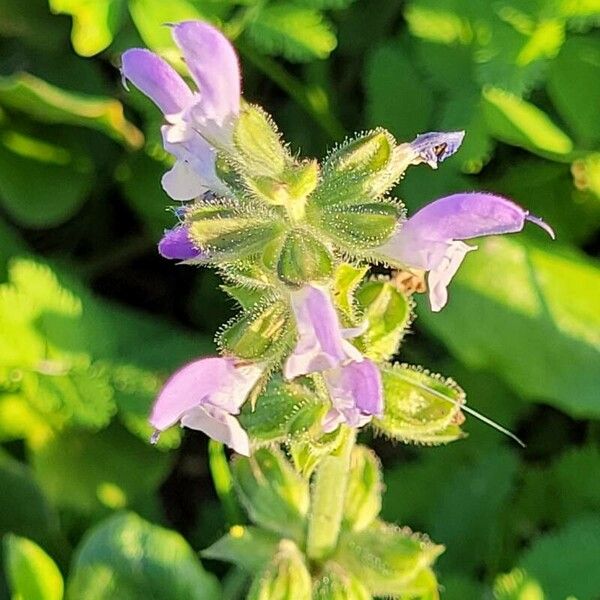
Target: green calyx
<point>295,218</point>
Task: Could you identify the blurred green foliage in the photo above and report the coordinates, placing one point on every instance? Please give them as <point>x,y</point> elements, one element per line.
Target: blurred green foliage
<point>91,321</point>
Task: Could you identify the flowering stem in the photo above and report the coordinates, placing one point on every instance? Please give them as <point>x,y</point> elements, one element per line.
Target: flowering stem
<point>223,482</point>
<point>327,502</point>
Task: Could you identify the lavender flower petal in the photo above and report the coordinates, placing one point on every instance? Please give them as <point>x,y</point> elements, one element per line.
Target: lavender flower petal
<point>356,393</point>
<point>213,63</point>
<point>176,244</point>
<point>219,425</point>
<point>436,146</point>
<point>156,79</point>
<point>188,387</point>
<point>321,344</point>
<point>430,239</point>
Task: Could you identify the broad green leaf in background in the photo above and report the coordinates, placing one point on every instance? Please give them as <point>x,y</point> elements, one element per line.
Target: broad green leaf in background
<point>32,574</point>
<point>297,32</point>
<point>511,297</point>
<point>73,470</point>
<point>95,22</point>
<point>577,67</point>
<point>50,104</point>
<point>31,172</point>
<point>564,563</point>
<point>129,558</point>
<point>519,123</point>
<point>24,509</point>
<point>397,97</point>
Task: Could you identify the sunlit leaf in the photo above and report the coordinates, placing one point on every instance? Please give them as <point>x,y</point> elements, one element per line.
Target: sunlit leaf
<point>127,557</point>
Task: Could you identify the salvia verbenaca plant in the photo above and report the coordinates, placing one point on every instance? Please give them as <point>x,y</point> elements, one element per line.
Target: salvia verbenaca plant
<point>307,362</point>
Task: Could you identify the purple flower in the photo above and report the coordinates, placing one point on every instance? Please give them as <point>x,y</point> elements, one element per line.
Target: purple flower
<point>431,238</point>
<point>205,395</point>
<point>356,394</point>
<point>176,244</point>
<point>431,148</point>
<point>354,382</point>
<point>197,121</point>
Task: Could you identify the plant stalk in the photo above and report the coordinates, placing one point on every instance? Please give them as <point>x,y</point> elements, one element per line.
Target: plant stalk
<point>223,482</point>
<point>327,500</point>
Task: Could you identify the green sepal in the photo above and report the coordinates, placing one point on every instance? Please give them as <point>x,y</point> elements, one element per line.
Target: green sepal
<point>363,495</point>
<point>346,279</point>
<point>388,314</point>
<point>260,332</point>
<point>284,412</point>
<point>359,226</point>
<point>359,169</point>
<point>308,453</point>
<point>246,546</point>
<point>275,496</point>
<point>245,296</point>
<point>258,147</point>
<point>286,577</point>
<point>419,406</point>
<point>303,259</point>
<point>386,559</point>
<point>224,230</point>
<point>335,583</point>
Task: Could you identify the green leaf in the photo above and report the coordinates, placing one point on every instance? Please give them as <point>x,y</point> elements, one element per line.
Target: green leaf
<point>32,574</point>
<point>365,486</point>
<point>574,86</point>
<point>481,489</point>
<point>522,294</point>
<point>519,123</point>
<point>286,577</point>
<point>283,411</point>
<point>388,314</point>
<point>326,4</point>
<point>386,559</point>
<point>260,332</point>
<point>248,547</point>
<point>73,470</point>
<point>298,33</point>
<point>307,452</point>
<point>390,75</point>
<point>127,557</point>
<point>419,406</point>
<point>95,22</point>
<point>274,495</point>
<point>24,510</point>
<point>32,169</point>
<point>564,562</point>
<point>50,104</point>
<point>303,259</point>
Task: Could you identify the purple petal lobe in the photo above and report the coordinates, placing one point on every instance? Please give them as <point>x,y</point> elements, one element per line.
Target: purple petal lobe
<point>157,79</point>
<point>219,425</point>
<point>176,244</point>
<point>321,344</point>
<point>356,394</point>
<point>436,146</point>
<point>213,63</point>
<point>189,387</point>
<point>541,223</point>
<point>465,215</point>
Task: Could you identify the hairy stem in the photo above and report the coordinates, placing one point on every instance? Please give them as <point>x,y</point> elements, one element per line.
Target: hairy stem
<point>327,501</point>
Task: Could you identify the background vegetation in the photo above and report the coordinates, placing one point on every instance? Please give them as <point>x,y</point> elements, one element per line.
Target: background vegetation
<point>92,320</point>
